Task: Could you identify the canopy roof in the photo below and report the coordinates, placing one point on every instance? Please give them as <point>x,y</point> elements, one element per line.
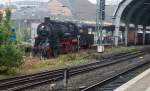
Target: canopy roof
<point>134,11</point>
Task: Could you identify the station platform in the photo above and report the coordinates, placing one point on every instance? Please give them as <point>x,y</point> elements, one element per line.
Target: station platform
<point>139,83</point>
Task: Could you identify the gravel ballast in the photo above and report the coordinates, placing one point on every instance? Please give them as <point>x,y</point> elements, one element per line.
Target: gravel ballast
<point>91,77</point>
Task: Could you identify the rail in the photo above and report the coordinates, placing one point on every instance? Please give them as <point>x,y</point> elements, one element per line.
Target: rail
<point>22,82</point>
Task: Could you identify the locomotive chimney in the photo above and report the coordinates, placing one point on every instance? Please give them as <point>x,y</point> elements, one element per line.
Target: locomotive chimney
<point>46,19</point>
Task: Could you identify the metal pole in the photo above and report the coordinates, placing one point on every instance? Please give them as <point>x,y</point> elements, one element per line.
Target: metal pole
<point>99,23</point>
<point>65,82</point>
<point>144,34</point>
<point>126,34</point>
<point>78,42</point>
<point>135,38</point>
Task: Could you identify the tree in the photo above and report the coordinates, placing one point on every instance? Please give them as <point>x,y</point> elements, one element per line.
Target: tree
<point>5,27</point>
<point>1,15</point>
<point>10,55</point>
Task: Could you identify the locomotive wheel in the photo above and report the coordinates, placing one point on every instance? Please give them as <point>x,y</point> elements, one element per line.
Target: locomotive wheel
<point>43,53</point>
<point>49,53</point>
<point>55,53</point>
<point>34,52</point>
<point>74,48</point>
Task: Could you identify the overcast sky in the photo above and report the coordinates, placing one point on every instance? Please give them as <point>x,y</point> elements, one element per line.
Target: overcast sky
<point>93,1</point>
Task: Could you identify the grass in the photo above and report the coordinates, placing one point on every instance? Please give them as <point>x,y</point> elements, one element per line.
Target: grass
<point>120,49</point>
<point>34,65</point>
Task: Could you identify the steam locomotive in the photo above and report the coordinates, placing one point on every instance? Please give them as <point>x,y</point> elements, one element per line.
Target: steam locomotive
<point>55,37</point>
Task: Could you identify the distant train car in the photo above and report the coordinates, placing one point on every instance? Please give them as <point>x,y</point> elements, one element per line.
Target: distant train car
<point>147,39</point>
<point>87,38</point>
<point>131,38</point>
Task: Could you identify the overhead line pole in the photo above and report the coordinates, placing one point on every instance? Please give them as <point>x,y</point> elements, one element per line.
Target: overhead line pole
<point>100,16</point>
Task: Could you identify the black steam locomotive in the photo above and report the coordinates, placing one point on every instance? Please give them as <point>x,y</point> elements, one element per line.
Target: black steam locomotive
<point>55,37</point>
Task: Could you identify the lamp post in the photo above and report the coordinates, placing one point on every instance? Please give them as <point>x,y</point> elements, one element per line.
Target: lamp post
<point>100,16</point>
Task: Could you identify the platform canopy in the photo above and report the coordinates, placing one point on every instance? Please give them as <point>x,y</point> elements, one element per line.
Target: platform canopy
<point>135,12</point>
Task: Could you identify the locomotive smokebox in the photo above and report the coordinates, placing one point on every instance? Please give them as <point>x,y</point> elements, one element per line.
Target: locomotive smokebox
<point>47,19</point>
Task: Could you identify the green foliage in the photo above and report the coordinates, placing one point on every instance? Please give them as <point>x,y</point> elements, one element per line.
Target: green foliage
<point>5,27</point>
<point>10,56</point>
<point>19,36</point>
<point>1,15</point>
<point>73,58</point>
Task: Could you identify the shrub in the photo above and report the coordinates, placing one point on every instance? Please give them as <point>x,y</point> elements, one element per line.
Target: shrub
<point>10,57</point>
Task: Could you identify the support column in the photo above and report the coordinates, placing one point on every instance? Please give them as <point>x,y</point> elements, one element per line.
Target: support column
<point>136,35</point>
<point>116,35</point>
<point>116,31</point>
<point>112,33</point>
<point>144,34</point>
<point>123,37</point>
<point>126,34</point>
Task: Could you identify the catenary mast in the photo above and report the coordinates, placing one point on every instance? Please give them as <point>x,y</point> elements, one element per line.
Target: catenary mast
<point>100,17</point>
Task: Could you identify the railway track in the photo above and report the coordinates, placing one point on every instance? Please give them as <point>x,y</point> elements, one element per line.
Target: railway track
<point>23,82</point>
<point>117,80</point>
